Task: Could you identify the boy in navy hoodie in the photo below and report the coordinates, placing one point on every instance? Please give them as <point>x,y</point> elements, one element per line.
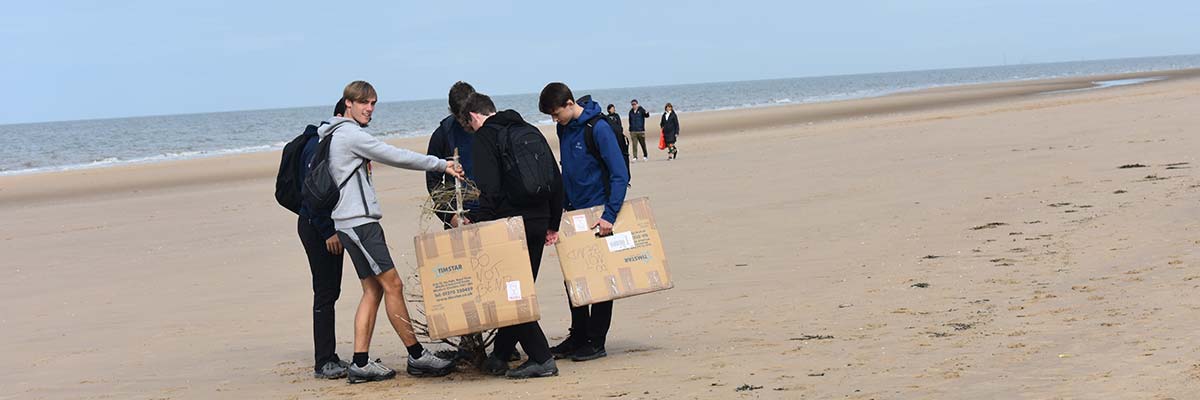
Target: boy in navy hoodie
<point>588,181</point>
<point>324,251</point>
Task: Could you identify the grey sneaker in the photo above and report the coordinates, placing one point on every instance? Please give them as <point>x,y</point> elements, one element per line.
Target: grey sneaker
<point>331,370</point>
<point>373,371</point>
<point>429,365</point>
<point>533,369</point>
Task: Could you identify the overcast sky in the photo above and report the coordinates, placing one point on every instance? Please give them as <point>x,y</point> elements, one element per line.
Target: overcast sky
<point>67,60</point>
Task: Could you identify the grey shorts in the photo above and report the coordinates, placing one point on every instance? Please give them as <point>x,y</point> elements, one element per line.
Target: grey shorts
<point>367,249</point>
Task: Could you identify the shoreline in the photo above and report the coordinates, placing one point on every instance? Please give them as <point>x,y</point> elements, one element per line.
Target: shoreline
<point>264,164</point>
<point>1075,83</point>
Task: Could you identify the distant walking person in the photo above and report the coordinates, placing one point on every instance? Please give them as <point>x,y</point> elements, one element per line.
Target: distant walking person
<point>614,121</point>
<point>637,129</point>
<point>670,129</point>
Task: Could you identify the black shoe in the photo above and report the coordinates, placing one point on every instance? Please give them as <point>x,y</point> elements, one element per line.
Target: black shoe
<point>494,366</point>
<point>532,369</point>
<point>588,353</point>
<point>331,370</point>
<point>567,347</point>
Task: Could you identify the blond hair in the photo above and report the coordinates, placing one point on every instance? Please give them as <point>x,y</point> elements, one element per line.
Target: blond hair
<point>359,92</point>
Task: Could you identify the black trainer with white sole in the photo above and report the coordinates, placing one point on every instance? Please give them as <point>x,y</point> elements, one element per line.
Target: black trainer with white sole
<point>331,370</point>
<point>533,369</point>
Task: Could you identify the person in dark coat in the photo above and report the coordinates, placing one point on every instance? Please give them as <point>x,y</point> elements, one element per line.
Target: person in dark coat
<point>490,128</point>
<point>637,130</point>
<point>670,130</point>
<point>614,121</point>
<point>450,135</point>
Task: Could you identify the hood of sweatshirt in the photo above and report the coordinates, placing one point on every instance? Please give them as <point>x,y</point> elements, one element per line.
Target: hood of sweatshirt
<point>504,118</point>
<point>325,128</point>
<point>590,109</point>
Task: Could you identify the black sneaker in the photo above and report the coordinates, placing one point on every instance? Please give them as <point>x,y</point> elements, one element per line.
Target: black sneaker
<point>331,370</point>
<point>567,347</point>
<point>532,369</point>
<point>588,353</point>
<point>373,371</point>
<point>494,366</point>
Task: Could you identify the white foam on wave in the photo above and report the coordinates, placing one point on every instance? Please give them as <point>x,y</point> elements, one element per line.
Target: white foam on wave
<point>169,156</point>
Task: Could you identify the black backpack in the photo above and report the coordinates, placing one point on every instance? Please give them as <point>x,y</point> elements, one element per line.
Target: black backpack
<point>320,189</point>
<point>614,122</point>
<point>593,148</point>
<point>287,181</point>
<point>528,163</point>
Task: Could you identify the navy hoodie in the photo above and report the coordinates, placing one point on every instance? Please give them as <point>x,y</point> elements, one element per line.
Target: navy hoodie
<point>319,219</point>
<point>583,179</point>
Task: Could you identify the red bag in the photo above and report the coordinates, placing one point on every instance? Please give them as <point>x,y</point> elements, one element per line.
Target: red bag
<point>662,140</point>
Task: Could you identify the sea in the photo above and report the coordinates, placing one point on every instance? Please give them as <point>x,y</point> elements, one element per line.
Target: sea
<point>56,146</point>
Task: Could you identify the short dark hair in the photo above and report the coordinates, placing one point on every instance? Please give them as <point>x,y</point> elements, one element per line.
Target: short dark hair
<point>340,108</point>
<point>478,103</point>
<point>633,101</point>
<point>610,106</point>
<point>554,96</point>
<point>458,94</point>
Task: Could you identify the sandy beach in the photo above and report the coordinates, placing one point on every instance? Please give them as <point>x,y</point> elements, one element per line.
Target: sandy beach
<point>975,242</point>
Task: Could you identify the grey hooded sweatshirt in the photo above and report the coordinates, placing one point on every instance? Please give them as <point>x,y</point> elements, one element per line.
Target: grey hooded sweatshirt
<point>349,148</point>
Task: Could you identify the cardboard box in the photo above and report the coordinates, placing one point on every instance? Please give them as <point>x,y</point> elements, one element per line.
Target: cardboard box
<point>476,277</point>
<point>628,263</point>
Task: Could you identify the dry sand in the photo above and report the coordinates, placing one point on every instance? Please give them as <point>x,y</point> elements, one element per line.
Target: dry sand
<point>969,243</point>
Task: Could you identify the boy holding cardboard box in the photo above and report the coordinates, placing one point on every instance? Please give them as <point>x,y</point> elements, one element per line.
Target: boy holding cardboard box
<point>594,173</point>
<point>517,176</point>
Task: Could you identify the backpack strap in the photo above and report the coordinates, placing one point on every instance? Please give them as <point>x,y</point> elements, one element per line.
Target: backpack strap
<point>333,129</point>
<point>593,148</point>
<point>447,128</point>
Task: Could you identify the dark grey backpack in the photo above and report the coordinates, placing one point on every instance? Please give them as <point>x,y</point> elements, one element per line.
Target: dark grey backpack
<point>321,191</point>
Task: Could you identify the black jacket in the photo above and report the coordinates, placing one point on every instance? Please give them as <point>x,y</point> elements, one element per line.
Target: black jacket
<point>448,136</point>
<point>637,119</point>
<point>614,122</point>
<point>670,126</point>
<point>493,200</point>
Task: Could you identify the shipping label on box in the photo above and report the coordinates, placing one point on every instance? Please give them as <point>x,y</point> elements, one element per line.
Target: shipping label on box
<point>476,277</point>
<point>629,262</point>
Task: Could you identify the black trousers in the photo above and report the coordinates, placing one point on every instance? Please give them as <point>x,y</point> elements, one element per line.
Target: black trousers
<point>327,287</point>
<point>529,334</point>
<point>591,322</point>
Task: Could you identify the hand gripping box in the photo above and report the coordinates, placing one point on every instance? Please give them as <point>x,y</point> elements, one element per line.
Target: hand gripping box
<point>628,263</point>
<point>476,277</point>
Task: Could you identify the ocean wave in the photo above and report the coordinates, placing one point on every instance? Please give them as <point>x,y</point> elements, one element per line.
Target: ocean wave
<point>168,156</point>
